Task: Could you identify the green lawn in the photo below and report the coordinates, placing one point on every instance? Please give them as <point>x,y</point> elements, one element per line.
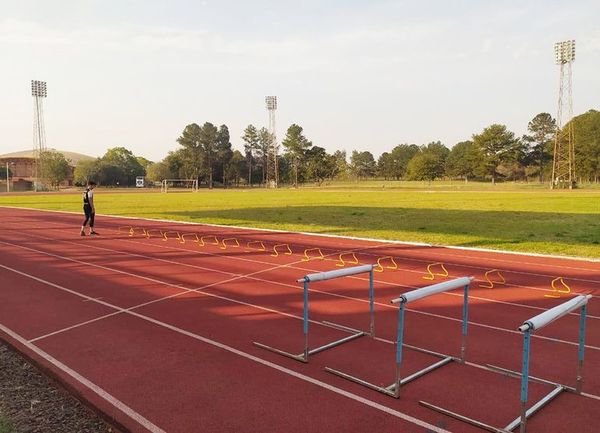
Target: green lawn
<point>5,425</point>
<point>538,220</point>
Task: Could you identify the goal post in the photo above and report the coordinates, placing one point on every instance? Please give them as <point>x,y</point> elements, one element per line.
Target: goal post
<point>171,185</point>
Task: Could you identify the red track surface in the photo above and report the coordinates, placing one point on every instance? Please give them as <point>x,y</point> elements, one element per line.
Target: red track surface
<point>158,334</point>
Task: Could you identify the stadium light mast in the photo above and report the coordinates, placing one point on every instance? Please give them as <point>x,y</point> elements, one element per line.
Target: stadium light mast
<point>39,92</point>
<point>563,166</point>
<point>272,169</point>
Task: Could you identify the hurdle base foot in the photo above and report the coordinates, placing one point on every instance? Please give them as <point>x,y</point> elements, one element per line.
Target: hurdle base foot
<point>463,418</point>
<point>300,357</point>
<point>362,382</point>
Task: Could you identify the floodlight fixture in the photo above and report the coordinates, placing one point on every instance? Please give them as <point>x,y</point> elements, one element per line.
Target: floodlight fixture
<point>271,102</point>
<point>38,89</point>
<point>564,52</point>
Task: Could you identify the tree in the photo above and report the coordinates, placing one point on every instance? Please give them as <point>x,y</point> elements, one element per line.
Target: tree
<point>265,141</point>
<point>236,167</point>
<point>400,156</point>
<point>191,156</point>
<point>251,145</point>
<point>87,170</point>
<point>428,163</point>
<point>362,164</point>
<point>296,146</point>
<point>463,160</point>
<point>55,167</point>
<point>498,146</point>
<point>158,172</point>
<point>180,166</point>
<point>341,163</point>
<point>319,165</point>
<point>437,149</point>
<point>209,135</point>
<point>542,130</point>
<point>423,166</point>
<point>145,163</point>
<point>124,166</point>
<point>385,166</point>
<point>587,145</point>
<point>223,151</point>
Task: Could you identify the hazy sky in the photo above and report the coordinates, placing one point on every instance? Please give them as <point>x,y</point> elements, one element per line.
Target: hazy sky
<point>363,75</point>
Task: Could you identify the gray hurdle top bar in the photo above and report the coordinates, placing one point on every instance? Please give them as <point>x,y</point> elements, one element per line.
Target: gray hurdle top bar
<point>527,328</point>
<point>394,389</point>
<point>354,333</point>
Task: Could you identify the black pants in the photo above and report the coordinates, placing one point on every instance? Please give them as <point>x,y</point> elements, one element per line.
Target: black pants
<point>89,215</point>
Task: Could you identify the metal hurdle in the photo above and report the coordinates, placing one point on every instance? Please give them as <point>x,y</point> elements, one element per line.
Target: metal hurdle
<point>527,328</point>
<point>393,390</point>
<point>355,333</point>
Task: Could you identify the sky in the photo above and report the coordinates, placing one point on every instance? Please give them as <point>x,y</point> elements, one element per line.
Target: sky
<point>356,75</point>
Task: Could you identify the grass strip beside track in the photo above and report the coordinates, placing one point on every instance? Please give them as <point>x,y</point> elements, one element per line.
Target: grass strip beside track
<point>563,222</point>
<point>5,425</point>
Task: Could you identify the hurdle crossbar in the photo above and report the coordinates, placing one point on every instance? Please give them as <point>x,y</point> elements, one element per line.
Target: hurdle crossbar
<point>527,328</point>
<point>393,390</point>
<point>354,333</point>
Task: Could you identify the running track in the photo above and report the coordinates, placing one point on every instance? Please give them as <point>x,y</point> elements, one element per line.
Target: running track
<point>157,335</point>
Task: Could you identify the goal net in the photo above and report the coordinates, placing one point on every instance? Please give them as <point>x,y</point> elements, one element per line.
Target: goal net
<point>179,185</point>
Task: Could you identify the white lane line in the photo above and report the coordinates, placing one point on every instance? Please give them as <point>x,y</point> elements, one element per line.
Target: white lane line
<point>358,250</point>
<point>214,343</point>
<point>184,289</point>
<point>353,238</point>
<point>179,286</point>
<point>304,268</point>
<point>123,310</point>
<point>354,277</point>
<point>141,420</point>
<point>291,266</point>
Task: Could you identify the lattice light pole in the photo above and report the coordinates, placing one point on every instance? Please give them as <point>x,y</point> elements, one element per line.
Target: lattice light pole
<point>563,167</point>
<point>272,169</point>
<point>39,92</point>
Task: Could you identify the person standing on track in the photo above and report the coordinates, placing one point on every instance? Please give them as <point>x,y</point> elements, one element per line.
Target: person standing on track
<point>88,208</point>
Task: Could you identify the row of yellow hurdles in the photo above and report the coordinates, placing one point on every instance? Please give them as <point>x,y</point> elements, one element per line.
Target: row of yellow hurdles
<point>493,277</point>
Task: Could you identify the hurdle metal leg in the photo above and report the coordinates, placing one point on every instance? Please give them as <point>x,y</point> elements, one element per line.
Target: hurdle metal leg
<point>465,321</point>
<point>581,348</point>
<point>533,409</point>
<point>527,329</point>
<point>524,379</point>
<point>463,418</point>
<point>303,357</point>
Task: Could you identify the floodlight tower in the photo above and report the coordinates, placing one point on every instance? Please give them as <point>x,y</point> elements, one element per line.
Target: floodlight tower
<point>563,167</point>
<point>39,92</point>
<point>272,169</point>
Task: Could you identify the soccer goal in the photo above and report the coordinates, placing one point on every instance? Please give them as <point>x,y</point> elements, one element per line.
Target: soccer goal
<point>179,185</point>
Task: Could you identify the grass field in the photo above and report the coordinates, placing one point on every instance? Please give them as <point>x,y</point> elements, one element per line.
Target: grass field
<point>5,425</point>
<point>541,221</point>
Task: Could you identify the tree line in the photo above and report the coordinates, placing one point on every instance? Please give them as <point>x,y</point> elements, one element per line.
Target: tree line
<point>205,153</point>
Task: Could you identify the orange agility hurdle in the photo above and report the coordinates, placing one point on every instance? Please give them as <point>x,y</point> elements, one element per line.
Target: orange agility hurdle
<point>260,246</point>
<point>215,241</point>
<point>157,232</point>
<point>353,260</point>
<point>557,292</point>
<point>286,246</point>
<point>195,235</point>
<point>431,274</point>
<point>176,233</point>
<point>124,229</point>
<point>379,267</point>
<point>307,257</point>
<point>490,283</point>
<point>234,243</point>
